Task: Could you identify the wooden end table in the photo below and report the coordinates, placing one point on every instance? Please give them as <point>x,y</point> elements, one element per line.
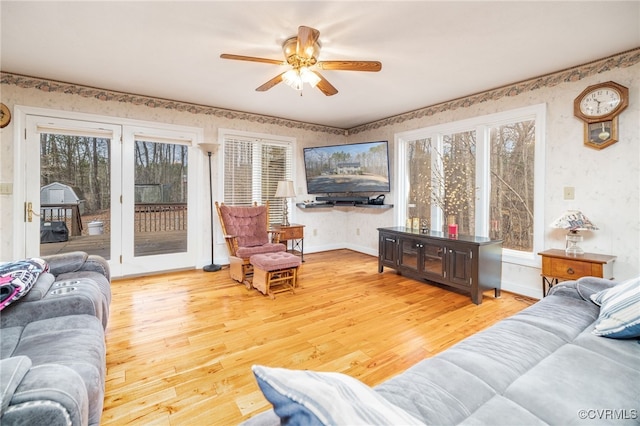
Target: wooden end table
<point>294,233</point>
<point>558,266</point>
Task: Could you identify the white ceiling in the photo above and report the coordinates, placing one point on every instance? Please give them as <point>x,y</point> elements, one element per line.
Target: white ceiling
<point>431,51</point>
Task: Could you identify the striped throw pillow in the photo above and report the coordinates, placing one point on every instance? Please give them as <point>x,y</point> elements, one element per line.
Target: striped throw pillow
<point>619,310</point>
<point>301,397</point>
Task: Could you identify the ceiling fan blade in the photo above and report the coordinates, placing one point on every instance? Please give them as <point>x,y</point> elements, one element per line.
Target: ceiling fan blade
<point>269,84</point>
<point>324,86</point>
<point>373,66</point>
<point>307,38</point>
<point>252,59</point>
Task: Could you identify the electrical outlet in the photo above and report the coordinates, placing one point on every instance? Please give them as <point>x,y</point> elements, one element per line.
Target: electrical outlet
<point>569,193</point>
<point>315,232</point>
<point>357,231</point>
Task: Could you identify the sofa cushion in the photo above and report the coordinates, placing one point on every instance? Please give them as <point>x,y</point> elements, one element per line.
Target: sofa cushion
<point>623,351</point>
<point>572,383</point>
<point>500,411</point>
<point>314,398</point>
<point>50,299</point>
<point>246,252</point>
<point>428,392</point>
<point>102,282</point>
<point>619,310</point>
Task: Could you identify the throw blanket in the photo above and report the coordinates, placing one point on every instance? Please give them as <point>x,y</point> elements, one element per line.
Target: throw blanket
<point>17,278</point>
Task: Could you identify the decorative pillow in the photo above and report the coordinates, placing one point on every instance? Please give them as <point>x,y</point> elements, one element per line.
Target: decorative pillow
<point>619,310</point>
<point>17,278</point>
<point>313,398</point>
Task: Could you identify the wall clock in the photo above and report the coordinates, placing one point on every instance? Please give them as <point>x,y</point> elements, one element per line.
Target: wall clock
<point>599,106</point>
<point>5,116</point>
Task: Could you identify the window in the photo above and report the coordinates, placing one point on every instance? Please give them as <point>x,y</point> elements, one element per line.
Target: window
<point>253,165</point>
<point>480,174</point>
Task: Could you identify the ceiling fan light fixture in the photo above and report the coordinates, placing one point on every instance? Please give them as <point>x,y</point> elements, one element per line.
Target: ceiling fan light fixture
<point>301,53</point>
<point>309,76</point>
<point>293,79</point>
<point>296,78</point>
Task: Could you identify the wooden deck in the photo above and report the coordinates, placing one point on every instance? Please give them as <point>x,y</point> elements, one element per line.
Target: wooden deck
<point>146,244</point>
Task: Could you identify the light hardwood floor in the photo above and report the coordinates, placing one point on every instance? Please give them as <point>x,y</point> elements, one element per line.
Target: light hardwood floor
<point>180,346</point>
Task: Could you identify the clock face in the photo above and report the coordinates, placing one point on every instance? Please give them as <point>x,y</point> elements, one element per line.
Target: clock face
<point>600,102</point>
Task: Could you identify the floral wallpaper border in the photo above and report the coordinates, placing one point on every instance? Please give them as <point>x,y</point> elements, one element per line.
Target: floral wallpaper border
<point>621,60</point>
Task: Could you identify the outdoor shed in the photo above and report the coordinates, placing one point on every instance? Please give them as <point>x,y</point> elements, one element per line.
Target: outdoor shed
<point>58,193</point>
<point>59,203</point>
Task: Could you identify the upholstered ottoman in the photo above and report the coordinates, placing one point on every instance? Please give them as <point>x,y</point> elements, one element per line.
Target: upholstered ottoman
<point>275,272</point>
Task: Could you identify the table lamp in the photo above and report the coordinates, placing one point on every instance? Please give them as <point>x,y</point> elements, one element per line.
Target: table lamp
<point>574,221</point>
<point>285,190</point>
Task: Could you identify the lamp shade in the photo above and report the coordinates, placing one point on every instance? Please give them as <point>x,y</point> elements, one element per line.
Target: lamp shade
<point>574,220</point>
<point>209,147</point>
<point>285,189</point>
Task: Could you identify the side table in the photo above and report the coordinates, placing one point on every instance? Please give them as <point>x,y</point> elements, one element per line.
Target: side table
<point>557,266</point>
<point>293,232</point>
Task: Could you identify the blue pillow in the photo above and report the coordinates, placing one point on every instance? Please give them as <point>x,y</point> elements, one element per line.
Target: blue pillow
<point>619,310</point>
<point>301,397</point>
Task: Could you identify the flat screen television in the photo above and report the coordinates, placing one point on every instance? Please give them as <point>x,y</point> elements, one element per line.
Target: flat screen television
<point>350,168</point>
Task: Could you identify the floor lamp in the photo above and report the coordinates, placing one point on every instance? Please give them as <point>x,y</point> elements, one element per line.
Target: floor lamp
<point>210,147</point>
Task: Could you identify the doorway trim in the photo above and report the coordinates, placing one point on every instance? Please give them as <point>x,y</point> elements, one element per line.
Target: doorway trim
<point>20,159</point>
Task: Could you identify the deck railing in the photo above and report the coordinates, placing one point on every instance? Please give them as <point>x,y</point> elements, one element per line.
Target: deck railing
<point>149,217</point>
<point>152,217</point>
<point>67,213</point>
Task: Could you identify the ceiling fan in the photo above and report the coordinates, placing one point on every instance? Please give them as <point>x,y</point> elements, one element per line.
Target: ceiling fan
<point>301,53</point>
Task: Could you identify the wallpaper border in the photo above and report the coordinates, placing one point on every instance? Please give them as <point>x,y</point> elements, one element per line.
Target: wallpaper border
<point>620,60</point>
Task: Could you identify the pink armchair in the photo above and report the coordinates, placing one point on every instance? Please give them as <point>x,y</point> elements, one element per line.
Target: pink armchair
<point>246,232</point>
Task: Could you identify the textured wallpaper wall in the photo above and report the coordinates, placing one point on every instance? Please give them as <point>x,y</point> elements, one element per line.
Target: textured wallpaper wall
<point>606,182</point>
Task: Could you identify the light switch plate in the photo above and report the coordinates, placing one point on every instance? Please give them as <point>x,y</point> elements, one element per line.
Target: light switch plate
<point>6,188</point>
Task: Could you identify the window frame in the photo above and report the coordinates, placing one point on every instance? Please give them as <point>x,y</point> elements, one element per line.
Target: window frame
<point>482,125</point>
<point>276,206</point>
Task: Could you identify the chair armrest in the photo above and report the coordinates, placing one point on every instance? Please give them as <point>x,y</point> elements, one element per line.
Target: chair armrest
<point>65,262</point>
<point>232,243</point>
<point>275,235</point>
<point>77,261</point>
<point>44,394</point>
<point>12,371</point>
<point>581,288</point>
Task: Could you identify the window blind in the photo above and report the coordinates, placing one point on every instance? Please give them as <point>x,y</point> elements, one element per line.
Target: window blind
<point>252,169</point>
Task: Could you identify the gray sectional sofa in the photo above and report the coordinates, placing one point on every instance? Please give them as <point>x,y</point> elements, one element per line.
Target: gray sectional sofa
<point>52,350</point>
<point>544,365</point>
